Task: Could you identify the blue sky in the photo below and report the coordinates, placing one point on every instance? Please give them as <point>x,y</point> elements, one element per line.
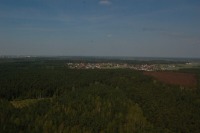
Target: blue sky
<point>153,28</point>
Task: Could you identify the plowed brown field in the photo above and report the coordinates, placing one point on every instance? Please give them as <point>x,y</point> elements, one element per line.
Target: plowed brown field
<point>175,78</point>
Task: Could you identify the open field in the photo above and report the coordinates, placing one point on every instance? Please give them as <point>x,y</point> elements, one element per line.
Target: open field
<point>26,102</point>
<point>175,78</point>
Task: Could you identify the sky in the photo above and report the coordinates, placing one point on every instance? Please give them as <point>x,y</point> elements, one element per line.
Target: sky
<point>137,28</point>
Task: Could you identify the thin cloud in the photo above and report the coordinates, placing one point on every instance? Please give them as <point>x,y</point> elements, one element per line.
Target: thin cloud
<point>109,35</point>
<point>105,2</point>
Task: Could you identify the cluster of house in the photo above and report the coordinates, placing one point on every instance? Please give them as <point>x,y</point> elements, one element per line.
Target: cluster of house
<point>143,67</point>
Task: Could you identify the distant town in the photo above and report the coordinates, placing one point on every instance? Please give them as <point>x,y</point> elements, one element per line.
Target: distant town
<point>143,67</point>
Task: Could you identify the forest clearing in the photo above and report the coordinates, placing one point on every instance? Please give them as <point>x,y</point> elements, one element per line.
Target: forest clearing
<point>174,78</point>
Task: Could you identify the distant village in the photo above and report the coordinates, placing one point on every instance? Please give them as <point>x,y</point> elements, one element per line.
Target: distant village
<point>142,67</point>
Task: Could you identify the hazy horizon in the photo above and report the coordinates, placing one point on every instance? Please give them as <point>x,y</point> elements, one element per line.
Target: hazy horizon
<point>117,28</point>
<point>96,56</point>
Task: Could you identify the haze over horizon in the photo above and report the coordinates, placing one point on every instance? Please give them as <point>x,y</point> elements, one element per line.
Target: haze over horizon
<point>146,28</point>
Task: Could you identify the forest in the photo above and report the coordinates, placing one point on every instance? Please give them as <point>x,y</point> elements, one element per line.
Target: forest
<point>45,96</point>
